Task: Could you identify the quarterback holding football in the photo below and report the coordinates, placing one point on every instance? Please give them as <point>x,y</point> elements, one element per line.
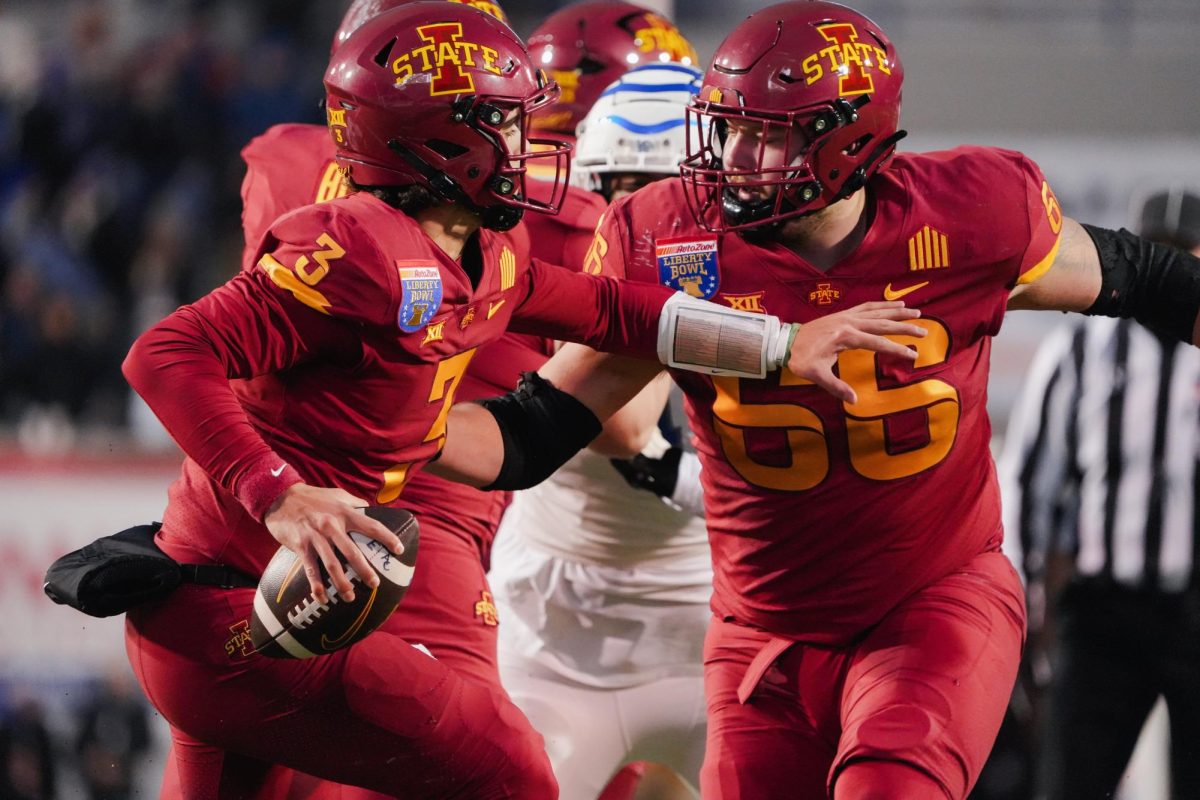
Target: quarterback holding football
<point>320,381</point>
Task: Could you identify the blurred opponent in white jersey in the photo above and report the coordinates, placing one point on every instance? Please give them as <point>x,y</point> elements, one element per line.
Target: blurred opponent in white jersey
<point>603,589</point>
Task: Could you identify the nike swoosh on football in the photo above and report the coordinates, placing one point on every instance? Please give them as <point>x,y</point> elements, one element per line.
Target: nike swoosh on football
<point>494,307</point>
<point>279,470</point>
<point>890,294</point>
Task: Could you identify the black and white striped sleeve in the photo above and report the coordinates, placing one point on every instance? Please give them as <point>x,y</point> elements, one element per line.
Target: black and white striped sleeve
<point>1036,465</point>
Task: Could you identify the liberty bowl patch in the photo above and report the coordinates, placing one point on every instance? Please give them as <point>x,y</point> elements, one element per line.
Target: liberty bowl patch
<point>689,265</point>
<point>420,297</point>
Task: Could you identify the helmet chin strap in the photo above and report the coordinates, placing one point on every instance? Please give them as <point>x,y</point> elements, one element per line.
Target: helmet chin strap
<point>496,218</point>
<point>742,212</point>
<point>501,218</point>
<point>859,178</point>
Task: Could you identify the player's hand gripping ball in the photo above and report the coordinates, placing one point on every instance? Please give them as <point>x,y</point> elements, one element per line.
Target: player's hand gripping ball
<point>288,622</point>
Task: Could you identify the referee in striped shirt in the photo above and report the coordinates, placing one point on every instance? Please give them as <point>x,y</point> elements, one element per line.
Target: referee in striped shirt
<point>1102,513</point>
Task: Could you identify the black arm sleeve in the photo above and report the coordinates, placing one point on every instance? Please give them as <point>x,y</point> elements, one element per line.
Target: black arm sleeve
<point>1155,284</point>
<point>542,427</point>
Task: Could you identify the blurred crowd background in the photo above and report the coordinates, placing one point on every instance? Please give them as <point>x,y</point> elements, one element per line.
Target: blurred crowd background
<point>121,122</point>
<point>120,126</point>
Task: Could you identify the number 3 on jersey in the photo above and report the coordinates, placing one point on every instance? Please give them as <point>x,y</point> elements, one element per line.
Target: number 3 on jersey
<point>866,430</point>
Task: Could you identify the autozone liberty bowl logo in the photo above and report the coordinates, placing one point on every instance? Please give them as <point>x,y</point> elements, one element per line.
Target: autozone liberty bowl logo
<point>448,57</point>
<point>689,265</point>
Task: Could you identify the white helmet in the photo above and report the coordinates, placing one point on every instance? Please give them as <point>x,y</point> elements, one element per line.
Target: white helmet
<point>637,126</point>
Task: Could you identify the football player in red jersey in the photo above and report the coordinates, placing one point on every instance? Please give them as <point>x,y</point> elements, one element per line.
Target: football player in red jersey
<point>292,165</point>
<point>866,628</point>
<point>584,48</point>
<point>321,379</point>
<point>445,610</point>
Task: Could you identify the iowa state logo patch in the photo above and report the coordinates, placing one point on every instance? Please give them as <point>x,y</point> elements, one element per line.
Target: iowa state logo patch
<point>689,265</point>
<point>420,296</point>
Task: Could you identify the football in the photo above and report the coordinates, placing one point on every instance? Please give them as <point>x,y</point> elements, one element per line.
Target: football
<point>289,622</point>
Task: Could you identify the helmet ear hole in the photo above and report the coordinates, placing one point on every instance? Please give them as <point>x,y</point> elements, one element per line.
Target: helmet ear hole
<point>384,54</point>
<point>856,147</point>
<point>447,150</point>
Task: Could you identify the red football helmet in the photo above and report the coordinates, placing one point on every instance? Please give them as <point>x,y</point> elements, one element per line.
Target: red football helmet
<point>587,46</point>
<point>424,94</point>
<point>819,80</point>
<point>362,10</point>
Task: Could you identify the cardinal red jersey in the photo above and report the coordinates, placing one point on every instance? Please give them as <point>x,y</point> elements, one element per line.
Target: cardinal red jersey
<point>562,238</point>
<point>566,237</point>
<point>292,165</point>
<point>357,330</point>
<point>824,515</point>
<point>287,167</point>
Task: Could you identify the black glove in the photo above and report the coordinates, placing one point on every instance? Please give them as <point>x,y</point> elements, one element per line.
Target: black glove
<point>657,475</point>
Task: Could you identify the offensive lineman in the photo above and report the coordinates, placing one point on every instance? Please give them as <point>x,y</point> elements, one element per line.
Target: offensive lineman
<point>866,628</point>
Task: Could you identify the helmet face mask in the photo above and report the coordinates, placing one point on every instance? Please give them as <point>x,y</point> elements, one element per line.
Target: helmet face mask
<point>440,95</point>
<point>827,94</point>
<point>772,176</point>
<point>505,122</point>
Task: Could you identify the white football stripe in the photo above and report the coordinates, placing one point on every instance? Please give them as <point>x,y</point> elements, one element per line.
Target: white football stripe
<point>399,574</point>
<point>294,648</point>
<point>266,616</point>
<point>285,640</point>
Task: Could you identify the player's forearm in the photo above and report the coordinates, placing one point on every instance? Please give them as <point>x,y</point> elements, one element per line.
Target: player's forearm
<point>534,431</point>
<point>1155,284</point>
<point>652,322</point>
<point>616,317</point>
<point>474,450</point>
<point>544,429</point>
<point>177,372</point>
<point>628,430</point>
<point>671,473</point>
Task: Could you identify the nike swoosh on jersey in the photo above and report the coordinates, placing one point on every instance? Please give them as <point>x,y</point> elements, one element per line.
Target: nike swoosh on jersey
<point>896,294</point>
<point>494,307</point>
